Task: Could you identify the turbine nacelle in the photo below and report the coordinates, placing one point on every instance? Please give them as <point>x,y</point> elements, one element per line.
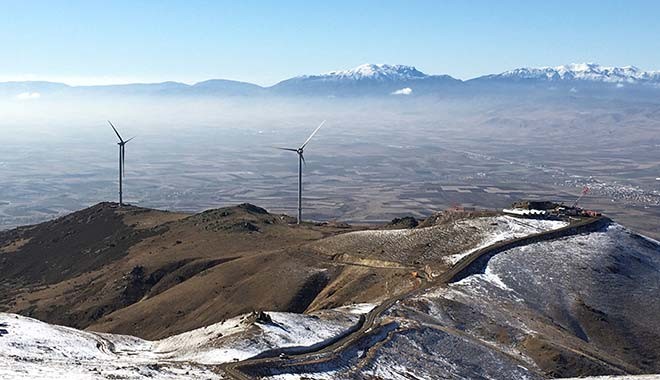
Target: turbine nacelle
<point>122,143</point>
<point>121,140</point>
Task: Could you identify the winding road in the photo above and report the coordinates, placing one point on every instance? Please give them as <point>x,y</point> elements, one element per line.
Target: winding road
<point>471,263</point>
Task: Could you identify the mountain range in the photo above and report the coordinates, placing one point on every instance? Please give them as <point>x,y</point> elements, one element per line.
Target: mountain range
<point>369,80</point>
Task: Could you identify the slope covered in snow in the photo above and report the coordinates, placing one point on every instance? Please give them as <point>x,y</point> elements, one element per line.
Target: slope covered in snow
<point>30,349</point>
<point>238,338</point>
<point>504,228</point>
<point>444,243</point>
<point>582,72</point>
<point>571,307</point>
<point>367,79</point>
<point>579,305</point>
<point>379,72</point>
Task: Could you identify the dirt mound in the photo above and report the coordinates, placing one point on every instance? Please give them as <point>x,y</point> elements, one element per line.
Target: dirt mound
<point>405,222</point>
<point>446,217</point>
<point>259,317</point>
<point>242,218</point>
<point>252,209</point>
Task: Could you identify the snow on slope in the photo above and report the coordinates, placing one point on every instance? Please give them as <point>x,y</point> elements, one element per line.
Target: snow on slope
<point>615,256</point>
<point>598,288</point>
<point>584,72</point>
<point>573,71</point>
<point>614,271</point>
<point>551,292</point>
<point>35,350</point>
<point>30,349</point>
<point>378,72</point>
<point>506,227</point>
<point>446,242</point>
<point>221,343</point>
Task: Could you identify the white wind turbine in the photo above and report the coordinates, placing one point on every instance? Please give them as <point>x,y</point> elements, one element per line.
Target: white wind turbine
<point>301,160</point>
<point>122,157</point>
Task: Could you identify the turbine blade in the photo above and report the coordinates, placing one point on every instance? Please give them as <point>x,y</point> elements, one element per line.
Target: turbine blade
<point>115,129</point>
<point>303,160</point>
<point>312,135</point>
<point>129,139</point>
<point>290,149</point>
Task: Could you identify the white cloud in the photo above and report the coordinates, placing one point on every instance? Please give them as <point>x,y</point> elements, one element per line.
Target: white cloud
<point>28,96</point>
<point>403,91</point>
<point>619,85</point>
<point>573,89</point>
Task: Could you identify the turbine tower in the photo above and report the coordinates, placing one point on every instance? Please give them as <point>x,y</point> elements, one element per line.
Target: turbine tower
<point>122,156</point>
<point>301,160</point>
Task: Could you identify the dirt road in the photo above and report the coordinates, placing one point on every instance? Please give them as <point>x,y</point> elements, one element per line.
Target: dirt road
<point>469,264</point>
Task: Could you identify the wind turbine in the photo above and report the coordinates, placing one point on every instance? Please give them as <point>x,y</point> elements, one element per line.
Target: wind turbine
<point>122,156</point>
<point>301,160</point>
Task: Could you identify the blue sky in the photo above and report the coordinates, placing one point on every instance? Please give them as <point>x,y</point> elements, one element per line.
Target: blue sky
<point>267,41</point>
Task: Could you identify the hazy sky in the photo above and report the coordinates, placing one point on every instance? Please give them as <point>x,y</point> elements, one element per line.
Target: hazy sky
<point>87,41</point>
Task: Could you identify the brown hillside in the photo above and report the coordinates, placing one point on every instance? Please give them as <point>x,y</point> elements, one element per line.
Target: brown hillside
<point>153,273</point>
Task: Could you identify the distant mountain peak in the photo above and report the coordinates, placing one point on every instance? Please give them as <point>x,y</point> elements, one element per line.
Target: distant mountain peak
<point>364,80</point>
<point>583,71</point>
<point>371,71</point>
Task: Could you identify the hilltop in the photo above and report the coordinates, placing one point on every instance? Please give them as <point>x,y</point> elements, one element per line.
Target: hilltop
<point>100,265</point>
<point>487,295</point>
<point>154,273</point>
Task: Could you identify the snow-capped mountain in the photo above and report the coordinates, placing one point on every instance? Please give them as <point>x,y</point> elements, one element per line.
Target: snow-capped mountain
<point>582,72</point>
<point>367,79</point>
<point>378,72</point>
<point>379,80</point>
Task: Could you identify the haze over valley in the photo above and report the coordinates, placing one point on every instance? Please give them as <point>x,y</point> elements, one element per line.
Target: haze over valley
<point>380,156</point>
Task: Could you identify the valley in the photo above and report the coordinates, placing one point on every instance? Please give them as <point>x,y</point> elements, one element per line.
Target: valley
<point>354,171</point>
<point>405,264</point>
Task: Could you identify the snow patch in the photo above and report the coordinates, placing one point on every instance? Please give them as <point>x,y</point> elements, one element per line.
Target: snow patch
<point>31,349</point>
<point>327,375</point>
<point>358,308</point>
<point>506,228</point>
<point>494,279</point>
<point>215,345</point>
